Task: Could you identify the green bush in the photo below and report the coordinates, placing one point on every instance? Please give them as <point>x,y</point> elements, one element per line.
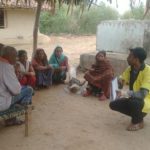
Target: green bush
<point>57,23</point>
<point>75,23</point>
<point>90,19</point>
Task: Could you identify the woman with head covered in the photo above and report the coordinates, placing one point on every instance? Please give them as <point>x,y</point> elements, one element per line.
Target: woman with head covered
<point>42,69</point>
<point>99,77</point>
<point>59,62</point>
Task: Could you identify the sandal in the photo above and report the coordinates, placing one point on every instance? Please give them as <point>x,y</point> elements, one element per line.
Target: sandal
<point>135,127</point>
<point>13,121</point>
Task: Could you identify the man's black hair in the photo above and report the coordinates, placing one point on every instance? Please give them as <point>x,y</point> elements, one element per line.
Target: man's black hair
<point>139,53</point>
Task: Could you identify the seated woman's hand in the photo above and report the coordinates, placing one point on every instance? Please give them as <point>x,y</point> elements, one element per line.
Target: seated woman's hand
<point>63,68</point>
<point>19,75</point>
<point>96,79</point>
<point>30,73</point>
<point>91,70</point>
<point>49,67</point>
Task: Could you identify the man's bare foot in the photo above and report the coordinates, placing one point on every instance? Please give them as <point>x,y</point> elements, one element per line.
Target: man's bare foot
<point>135,127</point>
<point>13,121</point>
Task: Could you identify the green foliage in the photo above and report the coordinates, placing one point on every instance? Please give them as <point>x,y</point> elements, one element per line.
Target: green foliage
<point>90,19</point>
<point>50,23</point>
<point>75,23</point>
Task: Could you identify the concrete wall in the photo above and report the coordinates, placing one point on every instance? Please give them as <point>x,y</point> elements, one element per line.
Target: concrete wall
<point>119,36</point>
<point>19,27</point>
<point>19,23</point>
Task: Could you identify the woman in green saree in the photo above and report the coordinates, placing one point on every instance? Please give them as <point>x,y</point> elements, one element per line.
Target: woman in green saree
<point>59,62</point>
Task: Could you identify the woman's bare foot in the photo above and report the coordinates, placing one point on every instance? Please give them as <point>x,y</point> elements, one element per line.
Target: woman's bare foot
<point>135,127</point>
<point>87,93</point>
<point>102,97</point>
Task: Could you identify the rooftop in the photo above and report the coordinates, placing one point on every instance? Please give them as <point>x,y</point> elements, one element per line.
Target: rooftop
<point>27,4</point>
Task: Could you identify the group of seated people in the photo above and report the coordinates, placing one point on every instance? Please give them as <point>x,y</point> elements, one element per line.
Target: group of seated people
<point>18,77</point>
<point>40,72</point>
<point>52,71</point>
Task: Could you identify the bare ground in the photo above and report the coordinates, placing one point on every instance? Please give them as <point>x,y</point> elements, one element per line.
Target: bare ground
<point>63,121</point>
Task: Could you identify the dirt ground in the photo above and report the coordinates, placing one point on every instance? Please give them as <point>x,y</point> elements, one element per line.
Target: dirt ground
<point>63,121</point>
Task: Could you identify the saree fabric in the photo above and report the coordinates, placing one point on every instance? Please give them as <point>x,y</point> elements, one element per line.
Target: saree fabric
<point>100,76</point>
<point>26,79</point>
<point>57,63</point>
<point>43,76</point>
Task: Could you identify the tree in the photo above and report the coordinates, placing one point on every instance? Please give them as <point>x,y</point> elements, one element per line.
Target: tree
<point>36,25</point>
<point>52,4</point>
<point>75,23</point>
<point>135,13</point>
<point>147,7</point>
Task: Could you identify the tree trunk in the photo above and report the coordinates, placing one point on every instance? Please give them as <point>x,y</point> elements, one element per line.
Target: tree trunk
<point>36,26</point>
<point>147,8</point>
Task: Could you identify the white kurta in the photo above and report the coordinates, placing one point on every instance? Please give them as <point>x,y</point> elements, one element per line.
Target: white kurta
<point>9,85</point>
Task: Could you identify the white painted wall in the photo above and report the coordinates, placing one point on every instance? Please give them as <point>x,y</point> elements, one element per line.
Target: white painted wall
<point>119,36</point>
<point>19,28</point>
<point>19,23</point>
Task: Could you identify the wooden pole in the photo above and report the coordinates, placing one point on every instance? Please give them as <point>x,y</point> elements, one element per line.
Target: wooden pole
<point>26,122</point>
